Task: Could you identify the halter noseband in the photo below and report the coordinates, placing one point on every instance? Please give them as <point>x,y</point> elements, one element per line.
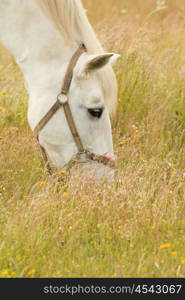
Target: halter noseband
<point>62,101</point>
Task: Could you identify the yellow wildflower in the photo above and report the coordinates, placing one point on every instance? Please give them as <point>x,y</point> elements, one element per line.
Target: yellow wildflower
<point>3,93</point>
<point>123,142</point>
<point>62,172</point>
<point>65,194</point>
<point>31,272</point>
<point>5,273</point>
<point>183,260</point>
<point>42,183</point>
<point>141,201</point>
<point>165,246</point>
<point>173,252</point>
<point>63,187</point>
<point>152,227</point>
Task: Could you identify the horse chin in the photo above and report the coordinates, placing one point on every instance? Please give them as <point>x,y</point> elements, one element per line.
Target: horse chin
<point>94,171</point>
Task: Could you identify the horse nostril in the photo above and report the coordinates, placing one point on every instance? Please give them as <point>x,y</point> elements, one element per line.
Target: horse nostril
<point>95,112</point>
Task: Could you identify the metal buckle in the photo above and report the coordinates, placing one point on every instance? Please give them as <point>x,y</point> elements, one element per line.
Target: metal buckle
<point>62,98</point>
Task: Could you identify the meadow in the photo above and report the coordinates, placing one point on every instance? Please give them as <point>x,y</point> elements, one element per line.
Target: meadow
<point>134,227</point>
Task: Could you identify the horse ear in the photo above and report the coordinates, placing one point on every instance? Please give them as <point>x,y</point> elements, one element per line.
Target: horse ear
<point>99,61</point>
<point>96,62</point>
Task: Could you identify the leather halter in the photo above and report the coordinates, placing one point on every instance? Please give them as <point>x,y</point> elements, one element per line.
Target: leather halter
<point>62,101</point>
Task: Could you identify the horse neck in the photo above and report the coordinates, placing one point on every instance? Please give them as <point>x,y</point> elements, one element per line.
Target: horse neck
<point>38,48</point>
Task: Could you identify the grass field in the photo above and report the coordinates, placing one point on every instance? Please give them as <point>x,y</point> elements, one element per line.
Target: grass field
<point>136,226</point>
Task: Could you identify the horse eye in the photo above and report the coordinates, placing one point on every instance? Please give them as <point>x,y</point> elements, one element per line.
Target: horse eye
<point>95,112</point>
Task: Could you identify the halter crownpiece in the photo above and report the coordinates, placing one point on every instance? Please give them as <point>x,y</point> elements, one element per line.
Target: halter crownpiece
<point>62,101</point>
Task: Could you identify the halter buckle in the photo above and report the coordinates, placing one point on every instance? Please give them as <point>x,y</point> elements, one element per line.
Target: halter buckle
<point>62,98</point>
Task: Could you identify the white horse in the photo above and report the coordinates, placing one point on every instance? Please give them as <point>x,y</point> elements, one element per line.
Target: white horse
<point>42,36</point>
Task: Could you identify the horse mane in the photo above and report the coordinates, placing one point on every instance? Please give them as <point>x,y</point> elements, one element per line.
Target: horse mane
<point>70,19</point>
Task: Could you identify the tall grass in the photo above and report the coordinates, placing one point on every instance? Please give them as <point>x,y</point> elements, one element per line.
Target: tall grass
<point>134,227</point>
